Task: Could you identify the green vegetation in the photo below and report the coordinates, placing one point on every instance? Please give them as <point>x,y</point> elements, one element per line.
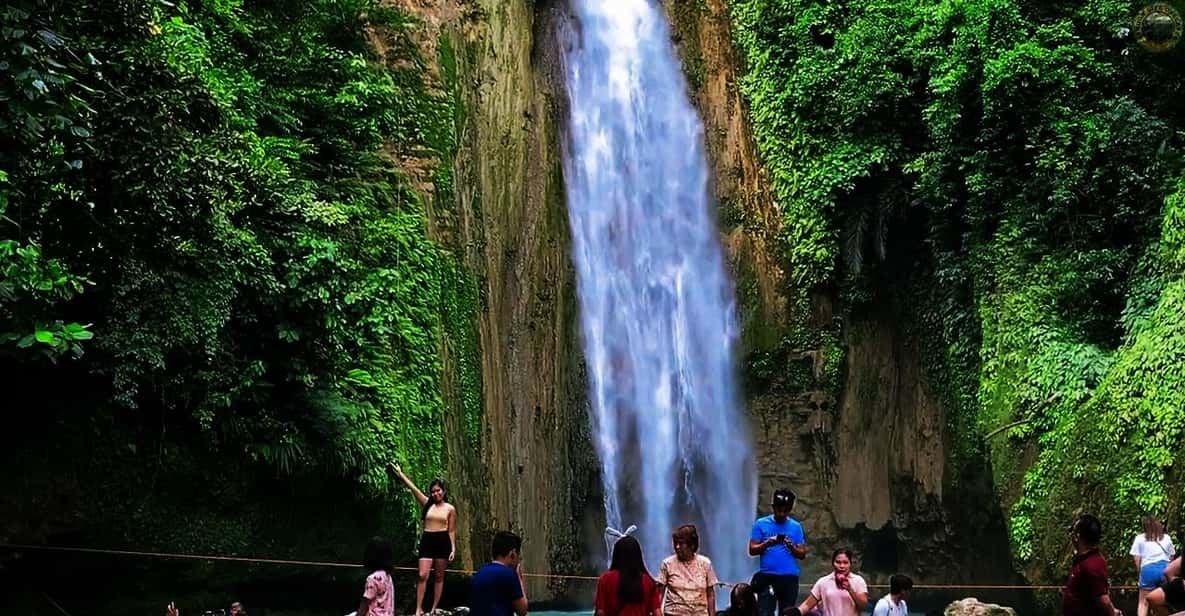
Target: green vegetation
<point>1004,173</point>
<point>217,284</point>
<point>209,262</point>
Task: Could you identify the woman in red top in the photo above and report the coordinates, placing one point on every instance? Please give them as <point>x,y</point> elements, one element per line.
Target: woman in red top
<point>626,589</point>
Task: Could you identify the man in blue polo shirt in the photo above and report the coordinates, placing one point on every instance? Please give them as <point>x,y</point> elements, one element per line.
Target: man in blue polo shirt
<point>779,541</point>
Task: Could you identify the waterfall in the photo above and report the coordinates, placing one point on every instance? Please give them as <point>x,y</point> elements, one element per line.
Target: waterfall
<point>657,307</point>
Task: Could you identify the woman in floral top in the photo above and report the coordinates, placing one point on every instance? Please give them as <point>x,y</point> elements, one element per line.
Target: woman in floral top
<point>686,579</point>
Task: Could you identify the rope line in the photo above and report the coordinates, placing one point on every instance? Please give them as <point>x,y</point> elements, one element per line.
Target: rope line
<point>559,576</point>
<point>55,604</point>
<point>245,559</point>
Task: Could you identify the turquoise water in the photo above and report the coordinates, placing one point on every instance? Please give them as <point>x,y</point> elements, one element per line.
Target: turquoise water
<point>589,612</point>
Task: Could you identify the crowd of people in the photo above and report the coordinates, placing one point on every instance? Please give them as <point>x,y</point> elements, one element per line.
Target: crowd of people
<point>685,585</point>
<point>686,582</point>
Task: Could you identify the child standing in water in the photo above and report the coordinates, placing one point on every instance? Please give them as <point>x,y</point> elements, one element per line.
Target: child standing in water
<point>687,580</point>
<point>378,597</point>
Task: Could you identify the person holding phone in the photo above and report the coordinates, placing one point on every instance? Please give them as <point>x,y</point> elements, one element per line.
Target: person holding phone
<point>499,588</point>
<point>780,542</point>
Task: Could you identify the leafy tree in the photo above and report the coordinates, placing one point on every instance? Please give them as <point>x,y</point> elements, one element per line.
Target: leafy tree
<point>206,189</point>
<point>1007,162</point>
<point>46,119</point>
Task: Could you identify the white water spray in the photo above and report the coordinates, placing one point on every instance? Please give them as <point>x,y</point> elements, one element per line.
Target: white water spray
<point>657,307</point>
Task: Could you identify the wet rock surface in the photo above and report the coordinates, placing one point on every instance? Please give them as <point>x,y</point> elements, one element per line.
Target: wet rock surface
<point>973,607</point>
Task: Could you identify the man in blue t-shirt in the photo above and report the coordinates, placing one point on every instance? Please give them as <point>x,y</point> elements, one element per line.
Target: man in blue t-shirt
<point>780,542</point>
<point>497,589</point>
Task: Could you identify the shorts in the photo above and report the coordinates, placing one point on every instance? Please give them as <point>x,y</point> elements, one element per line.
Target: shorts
<point>1174,595</point>
<point>435,544</point>
<point>1152,574</point>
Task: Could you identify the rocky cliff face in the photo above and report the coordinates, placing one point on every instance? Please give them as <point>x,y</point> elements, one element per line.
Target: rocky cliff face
<point>523,460</point>
<point>841,408</point>
<point>537,464</point>
<point>839,403</point>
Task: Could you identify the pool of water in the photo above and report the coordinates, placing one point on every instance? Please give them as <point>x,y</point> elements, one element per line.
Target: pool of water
<point>589,612</point>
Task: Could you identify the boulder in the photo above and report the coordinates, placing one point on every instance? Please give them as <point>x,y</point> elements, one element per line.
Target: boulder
<point>974,607</point>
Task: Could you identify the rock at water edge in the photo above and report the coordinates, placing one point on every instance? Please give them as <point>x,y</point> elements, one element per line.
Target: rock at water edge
<point>973,607</point>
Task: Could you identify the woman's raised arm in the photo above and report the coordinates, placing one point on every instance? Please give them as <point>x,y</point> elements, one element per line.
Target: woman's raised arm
<point>420,496</point>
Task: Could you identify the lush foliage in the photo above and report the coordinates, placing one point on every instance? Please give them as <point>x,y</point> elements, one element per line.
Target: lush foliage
<point>46,117</point>
<point>1008,163</point>
<point>206,188</point>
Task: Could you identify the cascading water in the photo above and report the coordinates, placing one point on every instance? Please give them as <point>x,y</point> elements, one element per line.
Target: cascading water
<point>657,307</point>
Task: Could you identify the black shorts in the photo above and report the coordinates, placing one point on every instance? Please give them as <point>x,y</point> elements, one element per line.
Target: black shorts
<point>1174,595</point>
<point>435,544</point>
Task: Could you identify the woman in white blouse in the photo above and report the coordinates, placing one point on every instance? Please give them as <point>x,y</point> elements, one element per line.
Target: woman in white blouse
<point>1152,550</point>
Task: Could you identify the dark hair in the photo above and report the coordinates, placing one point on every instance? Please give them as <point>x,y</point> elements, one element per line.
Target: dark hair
<point>783,497</point>
<point>505,542</point>
<point>378,555</point>
<point>630,567</point>
<point>845,552</point>
<point>687,534</point>
<point>1089,529</point>
<point>899,584</point>
<point>428,505</point>
<point>742,601</point>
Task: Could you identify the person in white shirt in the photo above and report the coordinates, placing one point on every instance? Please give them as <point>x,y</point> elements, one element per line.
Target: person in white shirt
<point>893,604</point>
<point>1152,551</point>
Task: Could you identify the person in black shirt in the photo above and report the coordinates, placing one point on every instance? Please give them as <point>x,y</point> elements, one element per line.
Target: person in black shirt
<point>742,601</point>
